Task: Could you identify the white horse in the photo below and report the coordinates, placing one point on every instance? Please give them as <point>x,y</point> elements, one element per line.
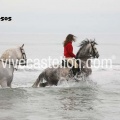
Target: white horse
<point>9,59</point>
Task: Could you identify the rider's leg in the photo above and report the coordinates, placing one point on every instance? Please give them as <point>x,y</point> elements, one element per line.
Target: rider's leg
<point>75,66</point>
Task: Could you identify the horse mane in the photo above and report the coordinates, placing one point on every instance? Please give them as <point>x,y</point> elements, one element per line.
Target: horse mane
<point>87,41</point>
<point>6,53</point>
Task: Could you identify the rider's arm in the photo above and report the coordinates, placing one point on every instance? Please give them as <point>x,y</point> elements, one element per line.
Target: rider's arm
<point>70,50</point>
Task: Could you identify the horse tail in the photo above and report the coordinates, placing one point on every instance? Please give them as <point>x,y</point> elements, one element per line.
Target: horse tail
<point>40,78</point>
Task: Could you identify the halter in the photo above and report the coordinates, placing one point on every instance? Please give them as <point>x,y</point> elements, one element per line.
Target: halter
<point>89,56</point>
<point>94,53</point>
<point>23,55</point>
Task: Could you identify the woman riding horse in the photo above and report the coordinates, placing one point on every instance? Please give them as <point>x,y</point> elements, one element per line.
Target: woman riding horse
<point>69,55</point>
<point>53,75</point>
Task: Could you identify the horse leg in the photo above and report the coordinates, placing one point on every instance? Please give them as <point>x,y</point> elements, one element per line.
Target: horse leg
<point>40,78</point>
<point>9,84</point>
<point>4,84</point>
<point>36,83</point>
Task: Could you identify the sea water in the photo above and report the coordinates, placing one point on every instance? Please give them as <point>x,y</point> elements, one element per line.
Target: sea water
<point>97,98</point>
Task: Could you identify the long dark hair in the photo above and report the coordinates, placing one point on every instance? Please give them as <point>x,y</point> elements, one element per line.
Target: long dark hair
<point>69,38</point>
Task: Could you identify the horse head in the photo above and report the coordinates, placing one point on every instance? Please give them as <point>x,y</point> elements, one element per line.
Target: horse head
<point>23,58</point>
<point>87,50</point>
<point>15,56</point>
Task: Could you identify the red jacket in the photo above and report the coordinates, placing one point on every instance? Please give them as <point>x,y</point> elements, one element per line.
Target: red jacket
<point>68,50</point>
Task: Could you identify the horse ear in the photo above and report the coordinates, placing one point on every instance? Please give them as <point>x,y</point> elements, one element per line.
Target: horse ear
<point>22,46</point>
<point>95,42</point>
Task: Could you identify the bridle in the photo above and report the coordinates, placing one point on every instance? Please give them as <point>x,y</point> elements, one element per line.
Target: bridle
<point>89,56</point>
<point>94,53</point>
<point>23,55</point>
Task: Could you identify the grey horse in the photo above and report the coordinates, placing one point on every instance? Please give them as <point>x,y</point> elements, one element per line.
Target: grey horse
<point>52,75</point>
<point>9,59</point>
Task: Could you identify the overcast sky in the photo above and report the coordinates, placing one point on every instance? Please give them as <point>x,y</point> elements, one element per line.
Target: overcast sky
<point>60,16</point>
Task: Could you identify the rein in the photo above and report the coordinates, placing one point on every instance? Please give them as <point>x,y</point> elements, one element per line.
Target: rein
<point>90,56</point>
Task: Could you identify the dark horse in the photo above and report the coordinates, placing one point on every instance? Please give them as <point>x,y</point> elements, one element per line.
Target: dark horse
<point>53,75</point>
